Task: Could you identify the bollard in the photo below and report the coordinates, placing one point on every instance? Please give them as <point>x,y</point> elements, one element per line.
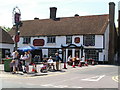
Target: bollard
<point>80,64</point>
<point>65,65</point>
<point>73,65</point>
<point>34,69</point>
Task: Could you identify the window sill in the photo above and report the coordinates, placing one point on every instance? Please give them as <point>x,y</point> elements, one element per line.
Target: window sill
<point>51,44</point>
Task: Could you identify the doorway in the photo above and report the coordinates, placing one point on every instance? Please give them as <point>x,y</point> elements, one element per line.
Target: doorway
<point>77,53</point>
<point>69,52</point>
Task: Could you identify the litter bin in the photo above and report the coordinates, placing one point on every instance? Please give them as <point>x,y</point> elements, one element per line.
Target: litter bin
<point>7,65</point>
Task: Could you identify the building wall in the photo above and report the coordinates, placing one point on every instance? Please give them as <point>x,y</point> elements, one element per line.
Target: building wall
<point>106,45</point>
<point>62,40</point>
<point>4,48</point>
<point>7,46</point>
<point>99,44</point>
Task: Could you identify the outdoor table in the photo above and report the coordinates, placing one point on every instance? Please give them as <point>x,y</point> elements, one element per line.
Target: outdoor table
<point>89,61</point>
<point>53,63</point>
<point>77,62</point>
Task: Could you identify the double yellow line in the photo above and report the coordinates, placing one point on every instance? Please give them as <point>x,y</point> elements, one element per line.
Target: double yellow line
<point>116,78</point>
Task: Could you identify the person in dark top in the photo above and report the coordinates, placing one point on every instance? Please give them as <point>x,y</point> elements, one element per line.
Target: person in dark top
<point>58,60</point>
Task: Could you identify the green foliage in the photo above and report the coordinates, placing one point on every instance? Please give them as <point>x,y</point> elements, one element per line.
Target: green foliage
<point>7,29</point>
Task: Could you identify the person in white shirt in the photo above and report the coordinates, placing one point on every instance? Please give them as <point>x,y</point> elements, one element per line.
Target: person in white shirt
<point>83,59</point>
<point>50,62</point>
<point>69,60</point>
<point>14,63</point>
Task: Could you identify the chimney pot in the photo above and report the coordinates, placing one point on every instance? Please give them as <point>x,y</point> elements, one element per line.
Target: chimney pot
<point>53,11</point>
<point>111,11</point>
<point>36,18</point>
<point>76,15</point>
<point>112,3</point>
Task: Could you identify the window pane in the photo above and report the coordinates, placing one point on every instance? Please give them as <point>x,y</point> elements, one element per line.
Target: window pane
<point>26,40</point>
<point>51,39</point>
<point>51,52</point>
<point>92,54</point>
<point>89,40</point>
<point>68,39</point>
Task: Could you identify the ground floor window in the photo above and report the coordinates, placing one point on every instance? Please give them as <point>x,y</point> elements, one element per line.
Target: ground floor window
<point>92,54</point>
<point>51,52</point>
<point>5,52</point>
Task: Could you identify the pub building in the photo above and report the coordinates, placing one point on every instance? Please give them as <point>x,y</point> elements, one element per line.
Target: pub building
<point>6,44</point>
<point>87,36</point>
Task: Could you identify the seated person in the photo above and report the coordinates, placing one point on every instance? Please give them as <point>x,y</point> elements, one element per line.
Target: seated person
<point>69,60</point>
<point>82,59</point>
<point>50,62</point>
<point>77,60</point>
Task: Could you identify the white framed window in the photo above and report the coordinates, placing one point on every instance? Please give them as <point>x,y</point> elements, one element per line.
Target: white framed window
<point>68,39</point>
<point>26,40</point>
<point>89,40</point>
<point>51,39</point>
<point>52,51</point>
<point>92,54</point>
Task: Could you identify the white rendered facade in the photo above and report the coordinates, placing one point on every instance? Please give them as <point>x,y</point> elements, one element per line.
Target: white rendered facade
<point>101,45</point>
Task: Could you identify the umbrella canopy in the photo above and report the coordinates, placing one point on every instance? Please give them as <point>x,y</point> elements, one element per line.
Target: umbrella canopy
<point>28,48</point>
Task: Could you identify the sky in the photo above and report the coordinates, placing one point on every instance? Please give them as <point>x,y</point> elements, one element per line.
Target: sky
<point>65,8</point>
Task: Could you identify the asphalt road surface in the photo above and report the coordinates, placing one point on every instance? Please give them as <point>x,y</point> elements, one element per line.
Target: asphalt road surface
<point>98,76</point>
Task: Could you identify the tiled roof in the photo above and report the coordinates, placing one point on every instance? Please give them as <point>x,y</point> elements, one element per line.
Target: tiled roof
<point>5,37</point>
<point>78,25</point>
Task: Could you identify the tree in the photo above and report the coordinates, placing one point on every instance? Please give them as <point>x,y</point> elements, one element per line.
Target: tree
<point>7,29</point>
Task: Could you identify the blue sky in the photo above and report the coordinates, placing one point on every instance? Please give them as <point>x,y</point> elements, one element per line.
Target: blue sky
<point>65,8</point>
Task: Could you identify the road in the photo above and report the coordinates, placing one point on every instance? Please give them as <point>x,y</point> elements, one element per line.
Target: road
<point>98,76</point>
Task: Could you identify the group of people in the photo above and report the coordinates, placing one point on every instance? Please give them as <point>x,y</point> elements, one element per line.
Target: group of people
<point>18,60</point>
<point>56,64</point>
<point>16,63</point>
<point>75,60</point>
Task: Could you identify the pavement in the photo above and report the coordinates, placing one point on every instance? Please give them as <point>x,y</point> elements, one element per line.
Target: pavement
<point>49,73</point>
<point>98,76</point>
<point>31,74</point>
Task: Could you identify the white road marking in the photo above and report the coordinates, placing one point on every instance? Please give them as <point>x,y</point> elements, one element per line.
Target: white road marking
<point>76,87</point>
<point>96,78</point>
<point>47,85</point>
<point>60,86</point>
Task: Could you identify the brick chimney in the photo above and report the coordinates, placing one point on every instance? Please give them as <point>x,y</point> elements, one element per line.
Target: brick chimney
<point>119,33</point>
<point>112,43</point>
<point>53,11</point>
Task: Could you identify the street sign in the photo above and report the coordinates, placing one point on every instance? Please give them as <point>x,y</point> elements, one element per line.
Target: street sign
<point>17,38</point>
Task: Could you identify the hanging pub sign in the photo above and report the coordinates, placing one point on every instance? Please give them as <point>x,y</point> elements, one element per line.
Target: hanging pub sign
<point>77,40</point>
<point>38,42</point>
<point>17,17</point>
